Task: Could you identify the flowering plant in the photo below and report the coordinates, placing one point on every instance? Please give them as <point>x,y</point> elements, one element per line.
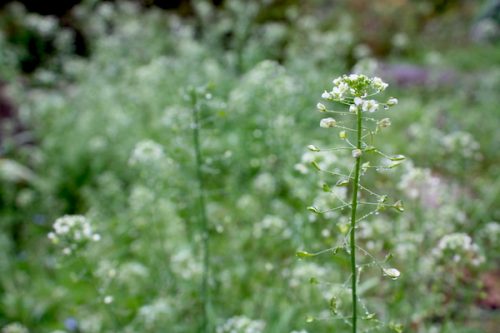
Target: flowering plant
<point>356,92</point>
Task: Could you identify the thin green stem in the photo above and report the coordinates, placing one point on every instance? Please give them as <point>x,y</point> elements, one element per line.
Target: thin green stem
<point>205,295</point>
<point>354,206</point>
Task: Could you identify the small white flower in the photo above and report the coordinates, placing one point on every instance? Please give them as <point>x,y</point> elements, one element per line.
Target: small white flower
<point>370,105</point>
<point>392,101</point>
<point>326,95</point>
<point>356,153</point>
<point>108,299</point>
<point>353,108</point>
<point>378,84</point>
<point>353,77</point>
<point>358,101</point>
<point>343,87</point>
<point>328,123</point>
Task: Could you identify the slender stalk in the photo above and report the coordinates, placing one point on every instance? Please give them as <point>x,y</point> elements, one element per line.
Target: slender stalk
<point>205,295</point>
<point>354,206</point>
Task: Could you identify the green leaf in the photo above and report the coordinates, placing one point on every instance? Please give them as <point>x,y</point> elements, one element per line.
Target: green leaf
<point>313,148</point>
<point>369,316</point>
<point>313,209</point>
<point>315,165</point>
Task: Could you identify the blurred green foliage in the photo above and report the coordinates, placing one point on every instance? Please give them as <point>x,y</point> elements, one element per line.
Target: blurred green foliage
<point>266,64</point>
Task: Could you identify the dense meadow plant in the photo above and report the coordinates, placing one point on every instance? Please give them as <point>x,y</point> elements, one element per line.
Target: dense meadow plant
<point>356,91</point>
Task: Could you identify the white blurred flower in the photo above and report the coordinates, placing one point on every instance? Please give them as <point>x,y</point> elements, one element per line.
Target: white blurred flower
<point>370,105</point>
<point>70,231</point>
<point>241,324</point>
<point>14,328</point>
<point>147,151</point>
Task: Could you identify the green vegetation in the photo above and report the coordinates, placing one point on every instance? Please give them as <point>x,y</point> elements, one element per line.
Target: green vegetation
<point>120,212</point>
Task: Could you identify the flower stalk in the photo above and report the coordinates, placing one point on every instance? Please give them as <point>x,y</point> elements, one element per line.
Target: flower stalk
<point>354,206</point>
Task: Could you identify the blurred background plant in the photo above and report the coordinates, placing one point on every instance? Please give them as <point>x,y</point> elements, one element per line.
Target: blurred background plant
<point>94,123</point>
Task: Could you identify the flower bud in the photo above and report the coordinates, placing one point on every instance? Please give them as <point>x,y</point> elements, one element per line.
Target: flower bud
<point>328,123</point>
<point>356,153</point>
<point>321,107</point>
<point>384,123</point>
<point>392,101</point>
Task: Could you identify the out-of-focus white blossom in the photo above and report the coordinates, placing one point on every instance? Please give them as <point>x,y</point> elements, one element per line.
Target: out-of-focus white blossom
<point>241,324</point>
<point>71,231</point>
<point>458,248</point>
<point>14,328</point>
<point>146,152</point>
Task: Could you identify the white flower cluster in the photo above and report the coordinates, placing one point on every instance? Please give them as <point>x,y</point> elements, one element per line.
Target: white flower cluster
<point>14,328</point>
<point>146,152</point>
<point>152,313</point>
<point>185,265</point>
<point>463,144</point>
<point>353,90</point>
<point>460,248</point>
<point>241,324</point>
<point>303,272</point>
<point>420,183</point>
<point>72,231</point>
<point>347,87</point>
<point>323,159</point>
<point>271,225</point>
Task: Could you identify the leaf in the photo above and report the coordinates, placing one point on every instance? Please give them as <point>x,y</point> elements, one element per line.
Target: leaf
<point>313,148</point>
<point>315,165</point>
<point>313,209</point>
<point>13,171</point>
<point>369,316</point>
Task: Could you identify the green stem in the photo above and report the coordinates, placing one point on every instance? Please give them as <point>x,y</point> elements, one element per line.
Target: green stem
<point>354,206</point>
<point>203,216</point>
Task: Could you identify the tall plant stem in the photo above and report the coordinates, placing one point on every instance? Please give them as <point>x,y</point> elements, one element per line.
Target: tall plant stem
<point>205,295</point>
<point>354,206</point>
